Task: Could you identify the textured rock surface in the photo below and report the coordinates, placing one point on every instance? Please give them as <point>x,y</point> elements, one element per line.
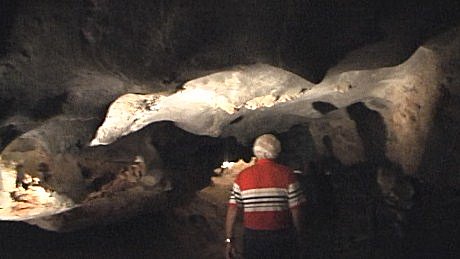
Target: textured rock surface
<point>186,87</point>
<point>208,105</point>
<point>247,102</point>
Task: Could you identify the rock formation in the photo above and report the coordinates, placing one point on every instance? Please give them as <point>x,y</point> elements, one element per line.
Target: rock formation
<point>114,109</point>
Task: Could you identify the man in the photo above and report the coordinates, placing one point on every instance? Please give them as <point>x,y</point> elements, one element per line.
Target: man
<point>270,197</point>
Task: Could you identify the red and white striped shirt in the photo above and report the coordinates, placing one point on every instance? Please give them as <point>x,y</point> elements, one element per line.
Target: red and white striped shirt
<point>266,191</point>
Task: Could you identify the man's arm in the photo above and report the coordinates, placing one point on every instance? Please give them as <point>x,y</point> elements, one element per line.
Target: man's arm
<point>296,202</point>
<point>232,212</point>
<point>297,219</point>
<point>232,209</point>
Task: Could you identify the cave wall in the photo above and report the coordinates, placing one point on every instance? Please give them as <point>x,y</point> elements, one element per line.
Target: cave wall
<point>384,78</point>
<point>440,157</point>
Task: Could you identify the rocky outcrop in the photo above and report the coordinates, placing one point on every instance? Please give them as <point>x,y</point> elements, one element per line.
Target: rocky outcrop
<point>211,105</point>
<point>243,103</point>
<point>85,89</point>
<point>94,182</point>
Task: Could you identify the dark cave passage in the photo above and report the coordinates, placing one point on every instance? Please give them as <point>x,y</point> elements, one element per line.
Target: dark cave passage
<point>324,107</point>
<point>372,130</point>
<point>63,65</point>
<point>193,158</point>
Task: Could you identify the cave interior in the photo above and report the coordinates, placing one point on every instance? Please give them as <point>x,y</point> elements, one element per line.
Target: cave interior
<point>124,123</point>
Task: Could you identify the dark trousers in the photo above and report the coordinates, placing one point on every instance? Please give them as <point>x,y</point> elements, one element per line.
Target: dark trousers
<point>276,244</point>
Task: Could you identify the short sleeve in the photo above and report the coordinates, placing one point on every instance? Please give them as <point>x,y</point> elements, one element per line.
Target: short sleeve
<point>295,193</point>
<point>235,195</point>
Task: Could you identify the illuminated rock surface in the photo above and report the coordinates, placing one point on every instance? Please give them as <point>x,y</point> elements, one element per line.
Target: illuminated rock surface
<point>208,105</point>
<point>262,98</point>
<point>125,108</point>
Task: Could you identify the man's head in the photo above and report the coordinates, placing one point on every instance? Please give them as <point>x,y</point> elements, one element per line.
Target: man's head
<point>267,146</point>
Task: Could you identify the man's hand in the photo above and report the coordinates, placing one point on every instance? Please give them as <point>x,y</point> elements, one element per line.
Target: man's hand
<point>229,251</point>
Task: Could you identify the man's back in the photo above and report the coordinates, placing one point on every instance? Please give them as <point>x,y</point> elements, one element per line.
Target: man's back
<point>270,196</point>
<point>267,191</point>
<point>265,173</point>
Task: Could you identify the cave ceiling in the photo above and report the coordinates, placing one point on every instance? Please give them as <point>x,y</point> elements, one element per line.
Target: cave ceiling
<point>86,89</point>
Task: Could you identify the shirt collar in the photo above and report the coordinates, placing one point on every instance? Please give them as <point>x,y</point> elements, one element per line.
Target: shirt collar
<point>264,161</point>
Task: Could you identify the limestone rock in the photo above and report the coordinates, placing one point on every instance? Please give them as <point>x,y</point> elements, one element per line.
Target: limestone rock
<point>404,95</point>
<point>222,94</point>
<point>63,63</point>
<point>33,201</point>
<point>65,176</point>
<point>8,176</point>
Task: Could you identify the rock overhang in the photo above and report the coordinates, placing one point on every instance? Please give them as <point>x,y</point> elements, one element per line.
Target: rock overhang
<point>226,103</point>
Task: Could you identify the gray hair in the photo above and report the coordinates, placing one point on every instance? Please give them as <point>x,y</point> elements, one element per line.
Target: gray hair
<point>267,146</point>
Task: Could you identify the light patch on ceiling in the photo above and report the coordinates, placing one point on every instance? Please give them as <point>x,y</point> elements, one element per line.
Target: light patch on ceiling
<point>268,97</point>
<point>250,87</point>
